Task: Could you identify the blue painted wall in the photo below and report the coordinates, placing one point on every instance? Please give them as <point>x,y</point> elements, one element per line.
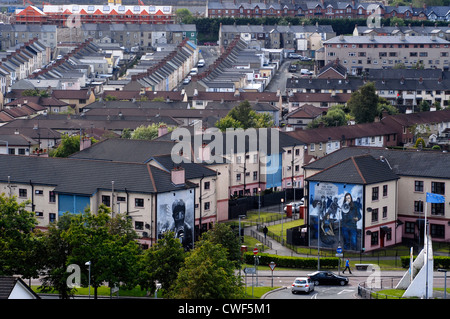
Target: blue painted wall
<point>274,171</point>
<point>73,204</point>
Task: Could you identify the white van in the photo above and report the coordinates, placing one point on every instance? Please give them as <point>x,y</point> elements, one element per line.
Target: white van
<point>305,72</point>
<point>194,71</point>
<point>201,63</point>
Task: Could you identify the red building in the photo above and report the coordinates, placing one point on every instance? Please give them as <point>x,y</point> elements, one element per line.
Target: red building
<point>75,15</point>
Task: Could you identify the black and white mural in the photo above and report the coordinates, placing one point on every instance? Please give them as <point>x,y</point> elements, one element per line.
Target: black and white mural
<point>175,212</point>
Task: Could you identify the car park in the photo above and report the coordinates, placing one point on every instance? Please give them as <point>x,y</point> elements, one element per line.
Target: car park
<point>327,278</point>
<point>302,284</point>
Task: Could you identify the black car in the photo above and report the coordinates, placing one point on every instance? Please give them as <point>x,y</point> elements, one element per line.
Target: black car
<point>327,278</point>
<point>293,68</point>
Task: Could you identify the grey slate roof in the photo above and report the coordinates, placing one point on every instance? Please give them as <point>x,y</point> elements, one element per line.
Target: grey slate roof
<point>363,169</point>
<point>85,177</point>
<point>125,150</point>
<point>402,162</point>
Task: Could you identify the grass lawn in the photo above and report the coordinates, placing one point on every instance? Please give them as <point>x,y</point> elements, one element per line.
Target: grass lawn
<point>281,229</point>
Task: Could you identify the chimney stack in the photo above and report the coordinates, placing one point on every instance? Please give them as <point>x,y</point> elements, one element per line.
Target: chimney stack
<point>178,175</point>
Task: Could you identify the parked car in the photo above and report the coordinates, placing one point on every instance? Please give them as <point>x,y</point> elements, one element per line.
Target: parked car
<point>187,80</point>
<point>194,71</point>
<point>327,278</point>
<point>294,55</point>
<point>201,63</point>
<point>293,68</point>
<point>305,72</point>
<point>295,206</point>
<point>305,58</point>
<point>303,284</point>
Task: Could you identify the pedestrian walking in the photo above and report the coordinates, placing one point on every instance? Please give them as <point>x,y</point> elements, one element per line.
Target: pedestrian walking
<point>347,266</point>
<point>265,230</point>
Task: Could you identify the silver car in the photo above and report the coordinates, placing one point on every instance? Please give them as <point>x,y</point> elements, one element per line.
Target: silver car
<point>303,284</point>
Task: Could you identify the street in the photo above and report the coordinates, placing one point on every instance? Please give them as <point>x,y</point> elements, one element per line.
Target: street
<point>284,279</point>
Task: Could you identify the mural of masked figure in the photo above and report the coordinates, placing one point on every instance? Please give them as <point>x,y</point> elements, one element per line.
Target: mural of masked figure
<point>350,216</point>
<point>183,230</point>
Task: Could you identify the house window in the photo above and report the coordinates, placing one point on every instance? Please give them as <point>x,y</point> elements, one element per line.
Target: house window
<point>139,225</point>
<point>438,188</point>
<point>255,175</point>
<point>375,193</point>
<point>106,200</point>
<point>437,231</point>
<point>51,197</point>
<point>207,205</point>
<point>238,177</point>
<point>22,192</point>
<point>418,206</point>
<point>39,192</point>
<point>207,185</point>
<point>52,217</point>
<point>418,186</point>
<point>374,238</point>
<point>437,209</point>
<point>410,227</point>
<point>139,202</point>
<point>385,190</point>
<point>384,212</point>
<point>375,215</point>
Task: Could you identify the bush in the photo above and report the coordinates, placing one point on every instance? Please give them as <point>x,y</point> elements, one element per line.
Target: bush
<point>439,262</point>
<point>292,262</point>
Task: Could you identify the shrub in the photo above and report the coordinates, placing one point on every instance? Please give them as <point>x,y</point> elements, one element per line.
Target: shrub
<point>292,262</point>
<point>439,261</point>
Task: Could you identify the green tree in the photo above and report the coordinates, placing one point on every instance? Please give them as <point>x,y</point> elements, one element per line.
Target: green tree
<point>184,16</point>
<point>161,263</point>
<point>18,239</point>
<point>55,254</point>
<point>363,103</point>
<point>243,116</point>
<point>113,253</point>
<point>126,133</point>
<point>149,132</point>
<point>336,116</point>
<point>224,235</point>
<point>385,106</point>
<point>68,146</point>
<point>208,274</point>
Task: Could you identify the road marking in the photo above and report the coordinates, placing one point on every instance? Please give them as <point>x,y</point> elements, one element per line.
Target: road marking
<point>345,291</point>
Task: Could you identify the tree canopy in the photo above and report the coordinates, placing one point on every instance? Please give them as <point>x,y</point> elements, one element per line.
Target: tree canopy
<point>363,103</point>
<point>243,116</point>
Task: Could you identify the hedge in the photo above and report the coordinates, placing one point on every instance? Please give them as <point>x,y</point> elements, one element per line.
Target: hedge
<point>438,261</point>
<point>291,262</point>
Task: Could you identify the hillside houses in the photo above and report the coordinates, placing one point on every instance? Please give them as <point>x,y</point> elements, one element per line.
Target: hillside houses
<point>323,9</point>
<point>97,88</point>
<point>305,39</point>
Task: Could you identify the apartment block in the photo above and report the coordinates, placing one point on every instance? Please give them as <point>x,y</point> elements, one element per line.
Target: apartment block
<point>359,53</point>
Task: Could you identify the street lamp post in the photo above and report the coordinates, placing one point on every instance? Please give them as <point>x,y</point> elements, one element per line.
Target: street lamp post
<point>89,280</point>
<point>259,205</point>
<point>282,220</point>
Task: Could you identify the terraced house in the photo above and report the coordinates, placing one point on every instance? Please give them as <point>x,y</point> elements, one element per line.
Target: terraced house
<point>393,205</point>
<point>151,197</point>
